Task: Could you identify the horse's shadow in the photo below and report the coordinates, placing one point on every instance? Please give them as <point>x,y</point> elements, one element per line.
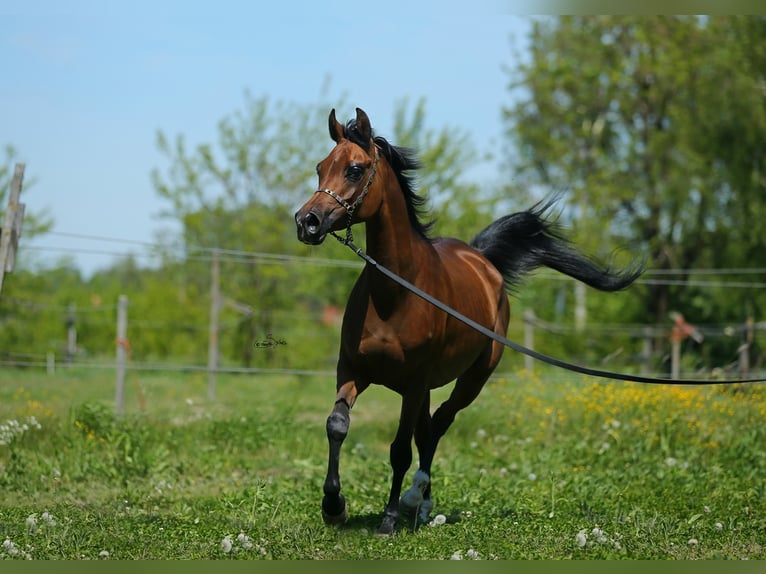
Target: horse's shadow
<point>370,521</point>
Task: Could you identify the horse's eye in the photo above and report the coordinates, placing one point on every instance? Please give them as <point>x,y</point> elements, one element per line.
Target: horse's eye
<point>354,172</point>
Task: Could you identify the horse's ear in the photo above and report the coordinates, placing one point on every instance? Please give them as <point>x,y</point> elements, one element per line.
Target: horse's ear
<point>363,125</point>
<point>336,128</point>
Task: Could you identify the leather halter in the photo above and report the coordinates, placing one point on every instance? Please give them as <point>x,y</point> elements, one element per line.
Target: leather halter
<point>352,207</point>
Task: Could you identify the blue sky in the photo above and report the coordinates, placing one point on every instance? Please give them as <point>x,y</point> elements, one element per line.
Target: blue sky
<point>85,85</point>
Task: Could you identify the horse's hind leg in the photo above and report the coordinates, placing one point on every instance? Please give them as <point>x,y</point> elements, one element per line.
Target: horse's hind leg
<point>401,458</point>
<point>427,436</point>
<point>417,499</point>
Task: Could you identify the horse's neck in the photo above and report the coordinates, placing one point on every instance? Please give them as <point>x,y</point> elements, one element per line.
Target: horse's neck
<point>393,243</point>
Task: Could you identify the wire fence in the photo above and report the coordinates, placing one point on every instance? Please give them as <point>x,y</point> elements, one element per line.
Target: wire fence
<point>103,313</point>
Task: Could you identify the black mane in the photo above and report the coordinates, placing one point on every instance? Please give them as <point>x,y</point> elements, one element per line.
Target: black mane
<point>403,161</point>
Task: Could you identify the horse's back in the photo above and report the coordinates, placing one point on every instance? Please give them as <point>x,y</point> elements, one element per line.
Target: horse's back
<point>469,272</point>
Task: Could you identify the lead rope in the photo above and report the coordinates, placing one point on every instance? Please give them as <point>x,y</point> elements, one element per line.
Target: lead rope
<point>348,241</point>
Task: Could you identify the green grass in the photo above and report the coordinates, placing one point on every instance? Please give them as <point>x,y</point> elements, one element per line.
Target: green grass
<point>659,472</point>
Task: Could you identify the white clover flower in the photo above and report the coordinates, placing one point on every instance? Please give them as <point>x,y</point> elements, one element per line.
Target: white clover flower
<point>48,518</point>
<point>718,526</point>
<point>472,554</point>
<point>581,538</point>
<point>456,556</point>
<point>10,547</point>
<point>31,522</point>
<point>671,462</point>
<point>532,476</point>
<point>103,555</point>
<point>693,542</point>
<point>706,508</point>
<point>481,433</point>
<point>226,544</point>
<point>438,520</point>
<point>243,539</point>
<point>599,535</point>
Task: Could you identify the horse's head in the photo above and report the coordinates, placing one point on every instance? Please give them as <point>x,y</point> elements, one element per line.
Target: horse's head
<point>345,178</point>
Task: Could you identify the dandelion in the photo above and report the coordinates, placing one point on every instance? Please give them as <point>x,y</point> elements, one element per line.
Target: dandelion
<point>581,538</point>
<point>438,520</point>
<point>226,544</point>
<point>31,522</point>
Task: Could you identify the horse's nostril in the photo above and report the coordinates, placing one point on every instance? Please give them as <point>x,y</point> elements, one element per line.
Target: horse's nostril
<point>311,221</point>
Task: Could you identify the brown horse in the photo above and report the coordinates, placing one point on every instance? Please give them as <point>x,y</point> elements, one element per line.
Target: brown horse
<point>394,338</point>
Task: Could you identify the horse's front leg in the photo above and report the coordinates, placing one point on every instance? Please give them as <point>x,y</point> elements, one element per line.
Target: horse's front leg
<point>333,503</point>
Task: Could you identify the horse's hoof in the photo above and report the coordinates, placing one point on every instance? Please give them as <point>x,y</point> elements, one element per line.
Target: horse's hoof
<point>335,520</point>
<point>387,526</point>
<point>334,514</point>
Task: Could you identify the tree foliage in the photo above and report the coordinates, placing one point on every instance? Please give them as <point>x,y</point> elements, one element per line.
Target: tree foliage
<point>654,128</point>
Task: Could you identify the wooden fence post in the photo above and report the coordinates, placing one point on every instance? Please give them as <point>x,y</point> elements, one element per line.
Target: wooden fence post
<point>529,337</point>
<point>744,348</point>
<point>215,309</point>
<point>71,333</point>
<point>11,229</point>
<point>122,344</point>
<point>675,359</point>
<point>646,350</point>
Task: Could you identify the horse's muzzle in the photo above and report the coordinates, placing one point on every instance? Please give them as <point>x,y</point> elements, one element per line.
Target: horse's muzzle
<point>309,228</point>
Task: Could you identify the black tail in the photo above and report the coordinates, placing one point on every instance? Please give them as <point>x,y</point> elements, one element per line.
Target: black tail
<point>518,243</point>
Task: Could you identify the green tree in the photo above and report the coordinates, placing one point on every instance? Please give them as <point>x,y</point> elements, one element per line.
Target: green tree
<point>654,127</point>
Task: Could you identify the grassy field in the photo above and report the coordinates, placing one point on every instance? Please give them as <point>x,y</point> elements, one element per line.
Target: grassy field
<point>551,466</point>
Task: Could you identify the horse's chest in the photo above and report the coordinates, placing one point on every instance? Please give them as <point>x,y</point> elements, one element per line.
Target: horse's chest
<point>395,340</point>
